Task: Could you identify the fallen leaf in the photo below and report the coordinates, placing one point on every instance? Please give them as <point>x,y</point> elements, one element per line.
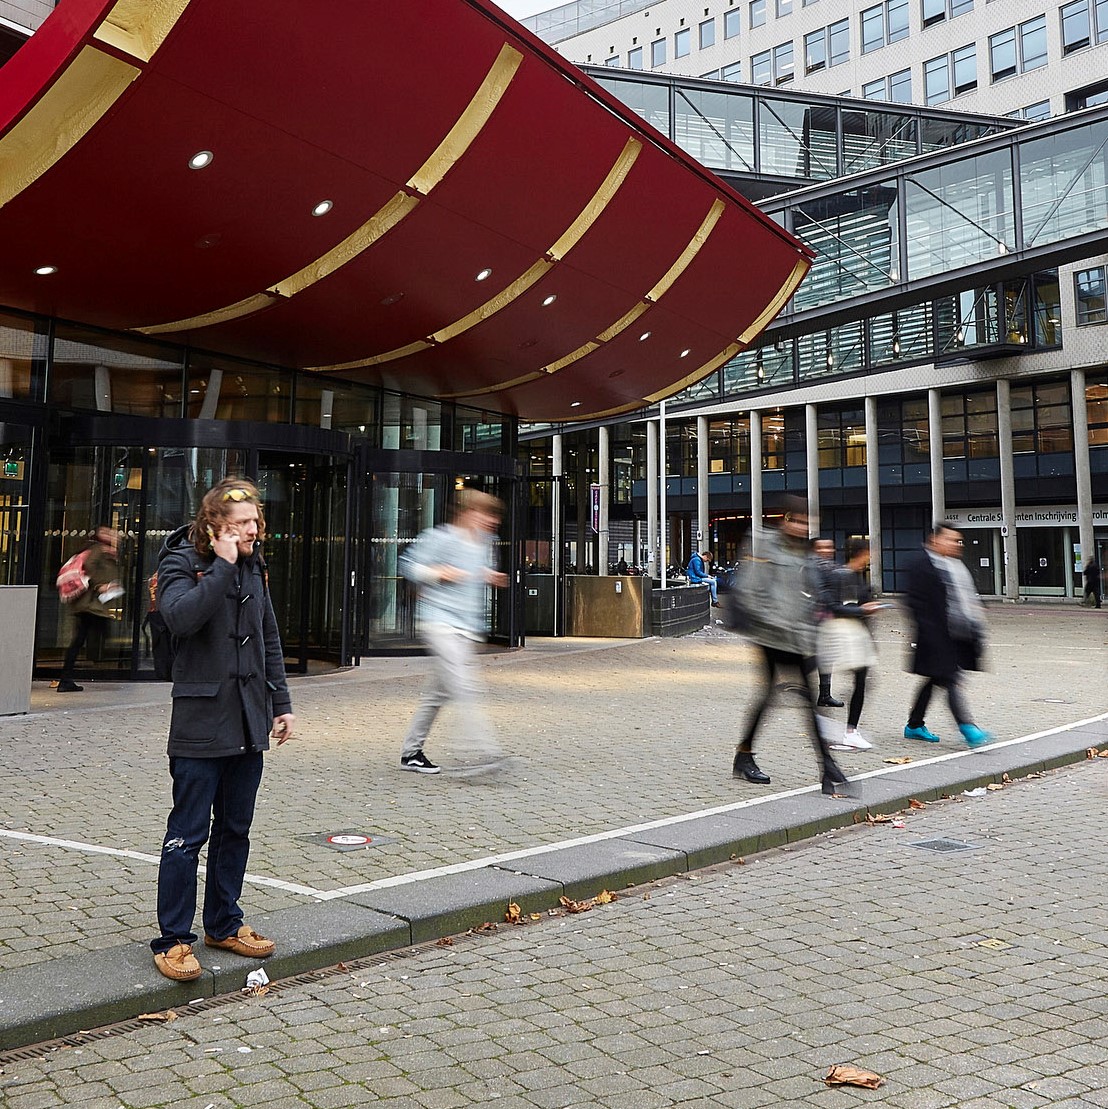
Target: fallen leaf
<point>446,941</point>
<point>571,906</point>
<point>483,929</point>
<point>844,1074</point>
<point>1092,753</point>
<point>514,914</point>
<point>535,916</point>
<point>255,991</point>
<point>1103,754</point>
<point>914,804</point>
<point>604,897</point>
<point>903,760</point>
<point>878,818</point>
<point>161,1018</point>
<point>341,966</point>
<point>994,786</point>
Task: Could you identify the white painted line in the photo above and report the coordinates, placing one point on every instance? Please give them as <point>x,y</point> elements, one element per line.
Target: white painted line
<point>143,857</point>
<point>669,821</point>
<point>530,852</point>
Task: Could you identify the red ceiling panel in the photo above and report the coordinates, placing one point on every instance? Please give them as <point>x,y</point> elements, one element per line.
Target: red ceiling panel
<point>504,145</point>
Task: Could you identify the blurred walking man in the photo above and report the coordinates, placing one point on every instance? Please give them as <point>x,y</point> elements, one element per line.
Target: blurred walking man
<point>453,566</point>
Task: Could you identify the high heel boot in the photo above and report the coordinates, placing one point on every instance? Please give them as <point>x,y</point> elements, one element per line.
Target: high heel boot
<point>746,767</point>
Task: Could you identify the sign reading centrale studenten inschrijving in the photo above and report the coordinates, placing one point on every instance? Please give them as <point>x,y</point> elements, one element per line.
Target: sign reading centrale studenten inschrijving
<point>1041,516</point>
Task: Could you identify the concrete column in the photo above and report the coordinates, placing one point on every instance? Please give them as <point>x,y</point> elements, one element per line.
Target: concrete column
<point>102,383</point>
<point>755,478</point>
<point>873,494</point>
<point>811,453</point>
<point>703,526</point>
<point>935,447</point>
<point>1007,490</point>
<point>326,408</point>
<point>1081,466</point>
<point>652,497</point>
<point>603,472</point>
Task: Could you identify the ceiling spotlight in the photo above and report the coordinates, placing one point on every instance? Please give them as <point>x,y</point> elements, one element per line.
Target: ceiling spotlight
<point>45,271</point>
<point>201,159</point>
<point>685,353</point>
<point>575,404</point>
<point>896,346</point>
<point>323,207</point>
<point>391,299</point>
<point>483,275</point>
<point>644,336</point>
<point>548,301</point>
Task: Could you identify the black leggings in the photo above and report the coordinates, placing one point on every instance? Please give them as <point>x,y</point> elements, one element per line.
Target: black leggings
<point>857,698</point>
<point>772,659</point>
<point>87,624</point>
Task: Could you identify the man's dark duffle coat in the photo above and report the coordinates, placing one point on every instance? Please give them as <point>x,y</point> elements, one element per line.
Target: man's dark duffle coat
<point>229,673</point>
<point>937,653</point>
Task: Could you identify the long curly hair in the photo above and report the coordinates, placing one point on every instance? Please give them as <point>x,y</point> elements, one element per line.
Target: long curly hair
<point>216,507</point>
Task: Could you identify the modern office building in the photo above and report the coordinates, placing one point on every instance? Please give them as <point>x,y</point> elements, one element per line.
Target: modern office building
<point>946,162</point>
<point>233,247</point>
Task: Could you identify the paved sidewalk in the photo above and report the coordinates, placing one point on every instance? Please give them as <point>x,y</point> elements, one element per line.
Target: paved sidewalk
<point>621,774</point>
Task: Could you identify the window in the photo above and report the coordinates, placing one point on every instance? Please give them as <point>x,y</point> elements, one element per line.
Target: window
<point>707,34</point>
<point>658,53</point>
<point>761,69</point>
<point>757,13</point>
<point>682,43</point>
<point>1087,97</point>
<point>838,39</point>
<point>784,7</point>
<point>964,67</point>
<point>731,23</point>
<point>815,50</point>
<point>1088,288</point>
<point>900,87</point>
<point>1038,111</point>
<point>1042,421</point>
<point>896,19</point>
<point>936,79</point>
<point>613,60</point>
<point>634,58</point>
<point>875,90</point>
<point>1033,43</point>
<point>933,11</point>
<point>732,72</point>
<point>783,63</point>
<point>1002,54</point>
<point>873,29</point>
<point>1075,26</point>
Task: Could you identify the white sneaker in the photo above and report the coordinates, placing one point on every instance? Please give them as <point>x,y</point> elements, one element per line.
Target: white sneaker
<point>853,741</point>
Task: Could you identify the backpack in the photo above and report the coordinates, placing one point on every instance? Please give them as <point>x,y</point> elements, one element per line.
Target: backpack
<point>163,643</point>
<point>72,581</point>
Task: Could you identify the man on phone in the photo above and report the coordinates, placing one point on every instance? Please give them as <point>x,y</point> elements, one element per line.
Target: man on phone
<point>229,696</point>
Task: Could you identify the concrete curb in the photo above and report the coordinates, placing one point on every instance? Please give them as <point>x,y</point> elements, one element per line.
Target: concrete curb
<point>89,990</point>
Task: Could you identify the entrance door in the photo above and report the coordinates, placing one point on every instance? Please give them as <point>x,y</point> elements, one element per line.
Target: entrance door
<point>1041,562</point>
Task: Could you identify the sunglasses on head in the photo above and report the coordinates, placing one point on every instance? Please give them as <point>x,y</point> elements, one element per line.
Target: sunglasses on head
<point>237,495</point>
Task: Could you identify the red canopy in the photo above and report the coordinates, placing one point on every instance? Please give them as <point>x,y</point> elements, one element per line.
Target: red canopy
<point>418,193</point>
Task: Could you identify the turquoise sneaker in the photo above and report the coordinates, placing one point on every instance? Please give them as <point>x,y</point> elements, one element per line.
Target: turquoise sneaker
<point>974,736</point>
<point>921,733</point>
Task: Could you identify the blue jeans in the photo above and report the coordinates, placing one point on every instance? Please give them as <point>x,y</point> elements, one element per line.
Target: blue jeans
<point>213,802</point>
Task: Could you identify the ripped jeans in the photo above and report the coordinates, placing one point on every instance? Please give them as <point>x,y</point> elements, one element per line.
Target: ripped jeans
<point>213,802</point>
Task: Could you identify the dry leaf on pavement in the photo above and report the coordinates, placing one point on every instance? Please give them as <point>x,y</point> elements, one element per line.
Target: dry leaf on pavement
<point>161,1018</point>
<point>902,761</point>
<point>914,804</point>
<point>514,914</point>
<point>572,906</point>
<point>878,818</point>
<point>604,897</point>
<point>446,941</point>
<point>844,1074</point>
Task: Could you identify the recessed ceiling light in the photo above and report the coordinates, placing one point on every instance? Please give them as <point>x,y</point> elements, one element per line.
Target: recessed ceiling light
<point>391,299</point>
<point>575,404</point>
<point>45,271</point>
<point>686,352</point>
<point>323,207</point>
<point>548,301</point>
<point>201,159</point>
<point>485,273</point>
<point>644,336</point>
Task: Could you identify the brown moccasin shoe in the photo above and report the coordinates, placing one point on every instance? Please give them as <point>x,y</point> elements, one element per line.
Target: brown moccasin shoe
<point>179,963</point>
<point>244,942</point>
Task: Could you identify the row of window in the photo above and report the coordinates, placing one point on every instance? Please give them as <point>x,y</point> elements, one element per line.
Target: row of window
<point>1018,49</point>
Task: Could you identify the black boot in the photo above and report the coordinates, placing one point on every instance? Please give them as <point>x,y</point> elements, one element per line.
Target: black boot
<point>835,782</point>
<point>826,699</point>
<point>746,767</point>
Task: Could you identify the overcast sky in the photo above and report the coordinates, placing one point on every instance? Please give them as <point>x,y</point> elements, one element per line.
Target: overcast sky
<point>520,8</point>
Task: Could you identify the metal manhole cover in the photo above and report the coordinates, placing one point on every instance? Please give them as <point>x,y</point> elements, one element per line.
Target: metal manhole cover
<point>943,845</point>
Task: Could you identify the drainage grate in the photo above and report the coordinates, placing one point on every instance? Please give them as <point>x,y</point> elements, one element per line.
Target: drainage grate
<point>944,845</point>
